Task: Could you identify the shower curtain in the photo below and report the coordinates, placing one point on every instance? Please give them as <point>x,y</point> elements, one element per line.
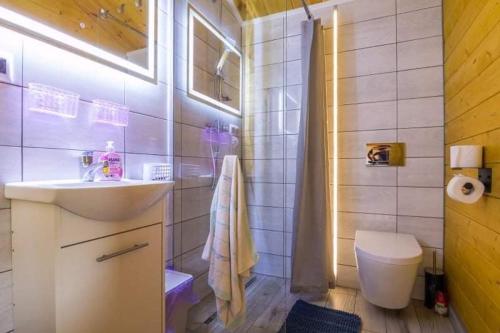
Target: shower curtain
<point>312,247</point>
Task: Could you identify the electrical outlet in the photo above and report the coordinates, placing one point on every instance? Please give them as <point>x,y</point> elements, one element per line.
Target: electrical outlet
<point>3,66</point>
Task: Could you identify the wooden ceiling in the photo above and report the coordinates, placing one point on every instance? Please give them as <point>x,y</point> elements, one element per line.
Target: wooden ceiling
<point>80,18</point>
<point>250,9</point>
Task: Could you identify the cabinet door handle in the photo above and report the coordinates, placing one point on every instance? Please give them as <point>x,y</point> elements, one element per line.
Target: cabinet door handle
<point>136,247</point>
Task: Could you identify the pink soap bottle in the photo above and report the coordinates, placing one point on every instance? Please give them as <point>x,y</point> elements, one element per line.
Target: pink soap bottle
<point>112,163</point>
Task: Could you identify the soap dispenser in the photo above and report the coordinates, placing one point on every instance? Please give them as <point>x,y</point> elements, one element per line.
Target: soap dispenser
<point>111,163</point>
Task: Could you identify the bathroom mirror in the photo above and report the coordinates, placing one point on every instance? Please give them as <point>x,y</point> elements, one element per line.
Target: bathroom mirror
<point>120,33</point>
<point>214,65</point>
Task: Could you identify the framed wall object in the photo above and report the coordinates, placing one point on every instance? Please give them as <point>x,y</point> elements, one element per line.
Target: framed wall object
<point>385,154</point>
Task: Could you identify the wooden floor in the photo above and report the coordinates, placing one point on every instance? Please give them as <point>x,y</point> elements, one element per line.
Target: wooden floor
<point>268,303</point>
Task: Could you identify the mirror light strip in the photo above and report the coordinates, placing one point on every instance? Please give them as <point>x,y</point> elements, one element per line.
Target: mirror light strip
<point>17,20</point>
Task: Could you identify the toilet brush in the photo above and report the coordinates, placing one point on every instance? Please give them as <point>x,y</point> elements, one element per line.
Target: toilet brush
<point>434,282</point>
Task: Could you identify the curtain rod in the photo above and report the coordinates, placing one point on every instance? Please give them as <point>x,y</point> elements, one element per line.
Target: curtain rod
<point>306,8</point>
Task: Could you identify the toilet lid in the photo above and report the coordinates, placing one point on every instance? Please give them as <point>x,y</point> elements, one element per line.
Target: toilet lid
<point>388,247</point>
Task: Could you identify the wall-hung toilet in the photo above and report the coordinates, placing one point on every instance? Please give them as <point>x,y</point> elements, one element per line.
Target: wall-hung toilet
<point>387,266</point>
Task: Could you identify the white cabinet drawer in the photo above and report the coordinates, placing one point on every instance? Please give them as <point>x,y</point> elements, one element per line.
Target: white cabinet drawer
<point>112,284</point>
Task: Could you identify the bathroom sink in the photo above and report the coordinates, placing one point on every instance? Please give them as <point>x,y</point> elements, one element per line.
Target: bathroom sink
<point>103,201</point>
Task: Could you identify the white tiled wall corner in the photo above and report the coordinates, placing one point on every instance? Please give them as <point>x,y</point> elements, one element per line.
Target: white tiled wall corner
<point>407,49</point>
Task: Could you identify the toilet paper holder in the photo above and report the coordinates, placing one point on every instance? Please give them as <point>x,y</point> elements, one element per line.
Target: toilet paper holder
<point>485,177</point>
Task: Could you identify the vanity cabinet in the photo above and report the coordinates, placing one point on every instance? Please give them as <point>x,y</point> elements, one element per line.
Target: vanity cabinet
<point>75,275</point>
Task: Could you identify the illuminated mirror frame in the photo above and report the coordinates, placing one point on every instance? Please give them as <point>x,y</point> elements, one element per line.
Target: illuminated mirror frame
<point>193,14</point>
<point>34,28</point>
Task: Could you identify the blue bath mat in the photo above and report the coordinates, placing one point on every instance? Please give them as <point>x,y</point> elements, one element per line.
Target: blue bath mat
<point>309,318</point>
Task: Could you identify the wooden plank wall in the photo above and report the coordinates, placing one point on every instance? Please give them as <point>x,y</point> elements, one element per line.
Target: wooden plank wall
<point>472,114</point>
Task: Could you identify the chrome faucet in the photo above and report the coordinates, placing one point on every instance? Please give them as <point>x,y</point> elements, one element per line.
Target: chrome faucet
<point>89,167</point>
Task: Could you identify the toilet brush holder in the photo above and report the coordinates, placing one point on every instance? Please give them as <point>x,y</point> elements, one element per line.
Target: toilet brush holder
<point>434,282</point>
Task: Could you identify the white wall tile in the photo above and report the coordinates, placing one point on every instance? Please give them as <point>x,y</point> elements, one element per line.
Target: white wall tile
<point>421,112</point>
<point>294,72</point>
<point>425,82</point>
<point>420,53</point>
<point>268,218</point>
<point>268,30</point>
<point>267,241</point>
<point>373,88</point>
<point>293,48</point>
<point>362,10</point>
<point>267,171</point>
<point>264,100</point>
<point>270,123</point>
<point>422,172</point>
<point>263,147</point>
<point>289,195</point>
<point>417,201</point>
<point>10,170</point>
<point>266,53</point>
<point>350,222</point>
<point>195,172</point>
<point>10,114</point>
<point>367,199</point>
<point>409,5</point>
<point>290,171</point>
<point>154,140</point>
<point>372,60</point>
<point>195,232</point>
<point>356,172</point>
<point>368,33</point>
<point>367,116</point>
<point>263,77</point>
<point>346,252</point>
<point>196,202</point>
<point>428,231</point>
<point>263,194</point>
<point>293,97</point>
<point>5,240</point>
<point>419,24</point>
<point>423,142</point>
<point>147,98</point>
<point>50,164</point>
<point>353,144</point>
<point>48,131</point>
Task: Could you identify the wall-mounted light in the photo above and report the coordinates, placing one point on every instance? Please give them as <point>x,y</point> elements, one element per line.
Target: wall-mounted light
<point>46,99</point>
<point>463,188</point>
<point>335,136</point>
<point>107,112</point>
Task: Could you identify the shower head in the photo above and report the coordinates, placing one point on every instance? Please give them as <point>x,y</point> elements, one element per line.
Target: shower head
<point>222,61</point>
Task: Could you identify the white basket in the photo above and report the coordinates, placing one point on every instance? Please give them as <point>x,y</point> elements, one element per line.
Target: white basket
<point>157,171</point>
<point>47,99</point>
<point>110,113</point>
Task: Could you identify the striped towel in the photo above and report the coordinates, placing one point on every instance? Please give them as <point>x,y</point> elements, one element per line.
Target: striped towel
<point>229,248</point>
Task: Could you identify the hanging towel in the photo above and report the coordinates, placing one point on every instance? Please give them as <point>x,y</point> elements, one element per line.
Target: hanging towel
<point>229,248</point>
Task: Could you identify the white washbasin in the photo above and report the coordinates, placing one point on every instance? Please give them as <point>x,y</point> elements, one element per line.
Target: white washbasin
<point>103,201</point>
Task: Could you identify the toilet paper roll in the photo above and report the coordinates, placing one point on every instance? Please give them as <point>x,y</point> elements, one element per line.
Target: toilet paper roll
<point>465,189</point>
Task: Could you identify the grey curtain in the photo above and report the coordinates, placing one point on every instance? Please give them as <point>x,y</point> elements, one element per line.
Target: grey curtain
<point>312,251</point>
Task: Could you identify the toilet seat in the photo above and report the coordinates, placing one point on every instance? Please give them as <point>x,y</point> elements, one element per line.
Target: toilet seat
<point>387,247</point>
